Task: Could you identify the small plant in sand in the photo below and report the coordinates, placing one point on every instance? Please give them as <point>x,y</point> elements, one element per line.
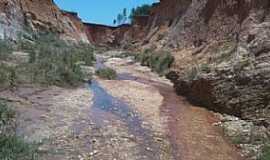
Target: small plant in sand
<point>106,73</point>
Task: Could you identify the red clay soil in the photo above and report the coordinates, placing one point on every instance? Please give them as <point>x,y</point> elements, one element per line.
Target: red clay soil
<point>191,131</point>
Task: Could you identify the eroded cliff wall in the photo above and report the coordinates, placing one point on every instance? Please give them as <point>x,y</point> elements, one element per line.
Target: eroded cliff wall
<point>11,18</point>
<point>221,47</point>
<point>20,15</point>
<point>221,50</point>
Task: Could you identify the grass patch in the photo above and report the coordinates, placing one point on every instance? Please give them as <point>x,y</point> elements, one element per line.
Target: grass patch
<point>223,52</point>
<point>159,62</point>
<point>205,68</point>
<point>6,114</point>
<point>5,49</point>
<point>237,140</point>
<point>14,148</point>
<point>51,62</point>
<point>196,69</point>
<point>8,76</point>
<point>265,153</point>
<point>106,73</point>
<point>192,73</point>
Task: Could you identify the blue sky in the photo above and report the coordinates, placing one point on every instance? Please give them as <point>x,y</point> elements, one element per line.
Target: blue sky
<point>100,11</point>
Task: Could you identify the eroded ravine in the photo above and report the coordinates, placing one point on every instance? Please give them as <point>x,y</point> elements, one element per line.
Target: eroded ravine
<point>138,116</point>
<point>190,129</point>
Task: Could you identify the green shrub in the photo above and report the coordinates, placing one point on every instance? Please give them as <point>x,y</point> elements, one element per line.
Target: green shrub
<point>237,140</point>
<point>4,76</point>
<point>14,148</point>
<point>107,73</point>
<point>265,153</point>
<point>192,73</point>
<point>52,72</point>
<point>159,62</point>
<point>51,62</point>
<point>8,76</point>
<point>54,62</point>
<point>223,52</point>
<point>5,49</point>
<point>6,114</point>
<point>205,68</point>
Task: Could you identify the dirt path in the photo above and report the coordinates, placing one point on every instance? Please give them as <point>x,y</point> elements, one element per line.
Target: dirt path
<point>137,117</point>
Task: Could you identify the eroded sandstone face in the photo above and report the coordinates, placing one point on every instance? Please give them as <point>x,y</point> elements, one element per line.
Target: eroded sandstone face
<point>222,56</point>
<point>19,15</point>
<point>221,51</point>
<point>11,18</point>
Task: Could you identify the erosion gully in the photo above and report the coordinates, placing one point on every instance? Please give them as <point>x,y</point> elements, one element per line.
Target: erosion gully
<point>173,107</point>
<point>75,124</point>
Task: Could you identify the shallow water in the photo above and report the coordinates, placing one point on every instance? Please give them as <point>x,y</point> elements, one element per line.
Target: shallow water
<point>103,101</point>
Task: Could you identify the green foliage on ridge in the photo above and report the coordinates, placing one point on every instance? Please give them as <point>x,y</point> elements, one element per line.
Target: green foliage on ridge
<point>143,10</point>
<point>123,17</point>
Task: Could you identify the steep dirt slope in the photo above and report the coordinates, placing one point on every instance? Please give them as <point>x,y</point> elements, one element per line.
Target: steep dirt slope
<point>223,48</point>
<point>221,51</point>
<point>11,18</point>
<point>222,54</point>
<point>20,15</point>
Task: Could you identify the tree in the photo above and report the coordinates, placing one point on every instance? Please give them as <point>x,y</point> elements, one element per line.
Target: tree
<point>124,15</point>
<point>121,17</point>
<point>143,10</point>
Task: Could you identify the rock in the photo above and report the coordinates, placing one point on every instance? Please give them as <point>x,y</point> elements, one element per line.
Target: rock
<point>238,130</point>
<point>93,153</point>
<point>249,137</point>
<point>251,151</point>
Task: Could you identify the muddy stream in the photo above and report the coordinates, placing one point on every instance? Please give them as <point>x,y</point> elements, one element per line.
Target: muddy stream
<point>167,147</point>
<point>138,116</point>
